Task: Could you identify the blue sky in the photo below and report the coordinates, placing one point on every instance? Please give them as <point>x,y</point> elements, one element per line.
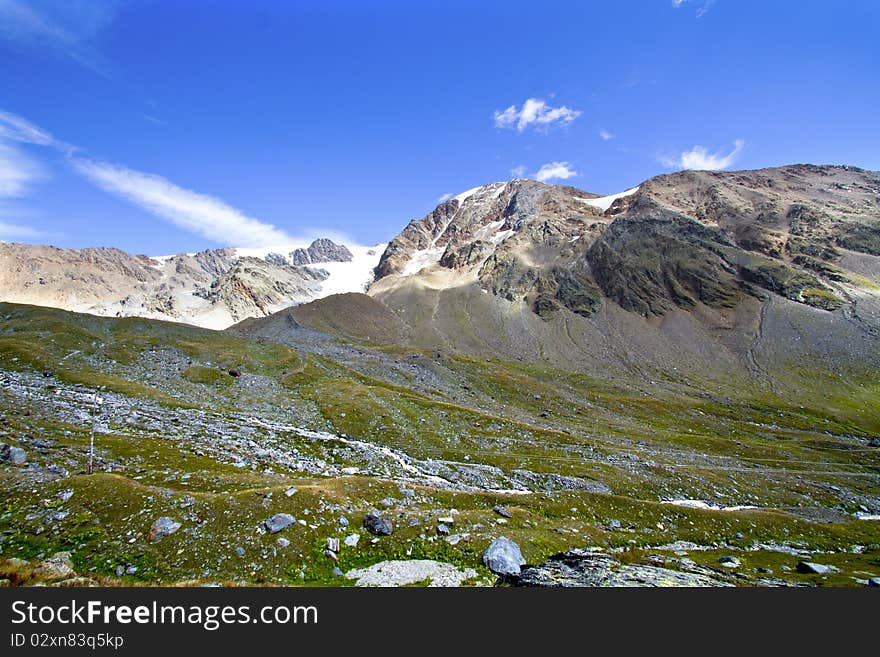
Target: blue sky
<point>159,127</point>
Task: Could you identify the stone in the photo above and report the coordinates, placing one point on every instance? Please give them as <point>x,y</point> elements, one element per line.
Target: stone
<point>377,525</point>
<point>239,551</point>
<point>12,454</point>
<point>343,521</point>
<point>338,572</point>
<point>282,542</point>
<point>163,527</point>
<point>614,524</point>
<point>413,571</point>
<point>330,554</point>
<point>442,529</point>
<point>729,561</point>
<point>874,582</point>
<point>278,522</point>
<point>352,540</point>
<point>503,557</point>
<point>57,567</point>
<point>333,544</point>
<point>290,492</point>
<point>501,511</point>
<point>65,494</point>
<point>407,492</point>
<point>388,502</point>
<point>590,568</point>
<point>812,568</point>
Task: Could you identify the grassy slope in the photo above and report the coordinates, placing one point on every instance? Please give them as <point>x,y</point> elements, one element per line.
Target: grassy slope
<point>755,449</point>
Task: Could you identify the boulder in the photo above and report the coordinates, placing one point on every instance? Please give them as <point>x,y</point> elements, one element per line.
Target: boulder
<point>12,454</point>
<point>278,522</point>
<point>377,525</point>
<point>57,567</point>
<point>812,568</point>
<point>163,527</point>
<point>503,557</point>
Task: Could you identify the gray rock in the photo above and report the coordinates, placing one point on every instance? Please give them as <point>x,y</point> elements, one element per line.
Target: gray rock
<point>65,494</point>
<point>239,551</point>
<point>290,492</point>
<point>442,529</point>
<point>874,582</point>
<point>352,540</point>
<point>588,568</point>
<point>12,454</point>
<point>501,511</point>
<point>503,557</point>
<point>614,524</point>
<point>58,566</point>
<point>407,492</point>
<point>377,525</point>
<point>282,542</point>
<point>333,544</point>
<point>388,502</point>
<point>810,567</point>
<point>729,561</point>
<point>163,527</point>
<point>343,521</point>
<point>338,572</point>
<point>278,522</point>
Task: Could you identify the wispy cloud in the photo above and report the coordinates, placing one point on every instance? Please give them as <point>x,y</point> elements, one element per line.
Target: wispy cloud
<point>65,27</point>
<point>204,215</point>
<point>153,119</point>
<point>605,135</point>
<point>555,171</point>
<point>445,197</point>
<point>18,172</point>
<point>534,112</point>
<point>17,231</point>
<point>701,159</point>
<point>703,6</point>
<point>518,172</point>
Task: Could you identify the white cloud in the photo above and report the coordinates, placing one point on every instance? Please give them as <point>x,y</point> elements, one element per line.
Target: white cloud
<point>704,5</point>
<point>555,171</point>
<point>700,158</point>
<point>205,215</point>
<point>17,231</point>
<point>445,197</point>
<point>605,135</point>
<point>15,128</point>
<point>534,112</point>
<point>518,172</point>
<point>66,27</point>
<point>18,172</point>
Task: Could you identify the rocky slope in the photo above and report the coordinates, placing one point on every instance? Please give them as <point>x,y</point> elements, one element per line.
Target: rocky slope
<point>742,272</point>
<point>213,288</point>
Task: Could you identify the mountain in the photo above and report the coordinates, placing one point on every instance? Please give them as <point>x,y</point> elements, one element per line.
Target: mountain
<point>730,275</point>
<point>213,288</point>
<point>673,385</point>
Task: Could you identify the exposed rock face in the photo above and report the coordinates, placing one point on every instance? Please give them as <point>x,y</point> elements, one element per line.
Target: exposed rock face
<point>321,250</point>
<point>677,241</point>
<point>212,288</point>
<point>584,568</point>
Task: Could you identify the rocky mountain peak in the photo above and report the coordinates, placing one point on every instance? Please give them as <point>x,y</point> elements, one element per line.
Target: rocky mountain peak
<point>676,241</point>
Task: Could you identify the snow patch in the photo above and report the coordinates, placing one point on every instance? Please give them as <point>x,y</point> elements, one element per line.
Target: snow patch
<point>604,202</point>
<point>422,259</point>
